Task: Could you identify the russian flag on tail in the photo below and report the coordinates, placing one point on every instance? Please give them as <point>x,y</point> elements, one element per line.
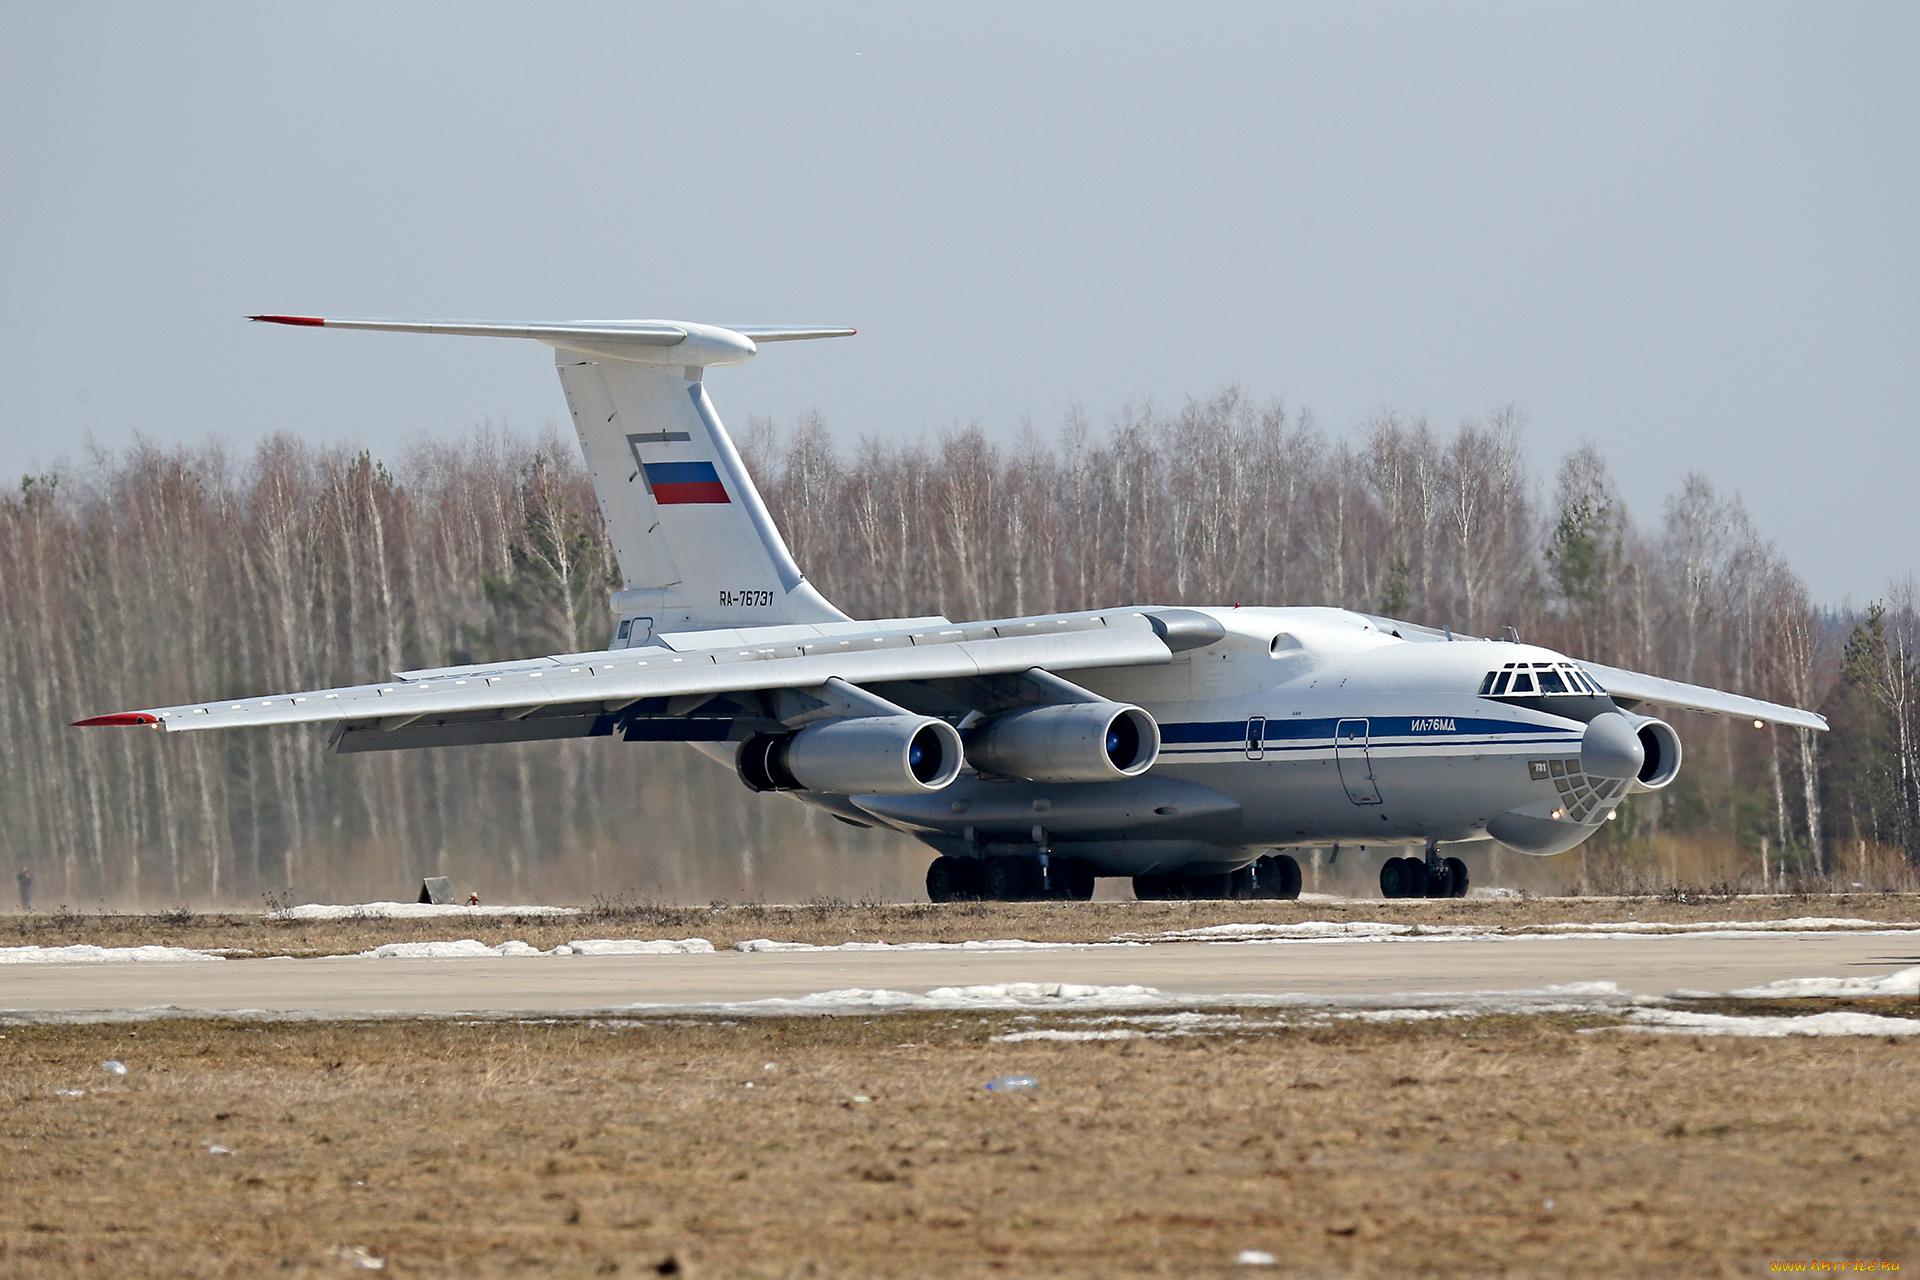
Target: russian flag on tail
<point>677,482</point>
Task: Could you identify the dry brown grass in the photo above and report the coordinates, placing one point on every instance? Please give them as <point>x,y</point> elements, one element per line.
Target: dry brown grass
<point>829,921</point>
<point>1494,1145</point>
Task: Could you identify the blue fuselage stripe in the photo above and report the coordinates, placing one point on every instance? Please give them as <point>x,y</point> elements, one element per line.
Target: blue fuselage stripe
<point>1383,731</point>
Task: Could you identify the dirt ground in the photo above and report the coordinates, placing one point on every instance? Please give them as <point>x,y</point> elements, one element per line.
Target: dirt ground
<point>869,1147</point>
<point>831,921</point>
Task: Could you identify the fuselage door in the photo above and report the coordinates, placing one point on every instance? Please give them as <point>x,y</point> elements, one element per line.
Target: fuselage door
<point>633,633</point>
<point>1257,738</point>
<point>1355,763</point>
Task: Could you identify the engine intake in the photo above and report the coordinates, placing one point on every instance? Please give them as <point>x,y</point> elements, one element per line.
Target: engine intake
<point>866,756</point>
<point>1662,747</point>
<point>1072,742</point>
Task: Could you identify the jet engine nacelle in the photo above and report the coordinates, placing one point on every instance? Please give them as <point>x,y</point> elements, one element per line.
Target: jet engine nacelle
<point>1661,746</point>
<point>865,756</point>
<point>1644,751</point>
<point>1068,742</point>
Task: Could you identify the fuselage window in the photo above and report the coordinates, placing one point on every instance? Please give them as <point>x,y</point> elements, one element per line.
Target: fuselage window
<point>626,625</point>
<point>1500,686</point>
<point>1522,682</point>
<point>1550,682</point>
<point>1486,686</point>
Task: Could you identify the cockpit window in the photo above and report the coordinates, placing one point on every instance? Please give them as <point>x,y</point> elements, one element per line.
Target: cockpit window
<point>1537,679</point>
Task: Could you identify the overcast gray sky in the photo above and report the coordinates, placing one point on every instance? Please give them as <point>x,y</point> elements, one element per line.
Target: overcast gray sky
<point>1688,233</point>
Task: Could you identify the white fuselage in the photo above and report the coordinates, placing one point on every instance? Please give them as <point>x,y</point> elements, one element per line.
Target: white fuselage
<point>1305,726</point>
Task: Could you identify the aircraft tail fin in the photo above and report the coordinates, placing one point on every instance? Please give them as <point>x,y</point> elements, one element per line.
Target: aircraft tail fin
<point>696,546</point>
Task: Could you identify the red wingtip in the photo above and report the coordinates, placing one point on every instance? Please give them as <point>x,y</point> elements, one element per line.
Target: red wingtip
<point>311,320</point>
<point>118,718</point>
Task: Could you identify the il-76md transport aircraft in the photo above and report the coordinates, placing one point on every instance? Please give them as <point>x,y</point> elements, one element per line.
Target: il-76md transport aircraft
<point>1186,748</point>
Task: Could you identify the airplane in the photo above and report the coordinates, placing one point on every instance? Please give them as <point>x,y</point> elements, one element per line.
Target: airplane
<point>1186,748</point>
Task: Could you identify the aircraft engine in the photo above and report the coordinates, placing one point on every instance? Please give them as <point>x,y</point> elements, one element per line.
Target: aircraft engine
<point>867,756</point>
<point>1661,746</point>
<point>1069,742</point>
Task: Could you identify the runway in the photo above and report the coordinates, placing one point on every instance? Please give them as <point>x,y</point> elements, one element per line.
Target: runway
<point>538,985</point>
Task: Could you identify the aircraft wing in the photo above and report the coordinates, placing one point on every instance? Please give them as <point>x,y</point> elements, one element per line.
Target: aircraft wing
<point>588,694</point>
<point>1636,687</point>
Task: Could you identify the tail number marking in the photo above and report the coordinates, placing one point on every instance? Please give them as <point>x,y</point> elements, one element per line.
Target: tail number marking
<point>746,599</point>
<point>1439,724</point>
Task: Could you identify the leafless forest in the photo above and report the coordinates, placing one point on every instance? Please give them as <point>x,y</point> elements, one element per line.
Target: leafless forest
<point>156,576</point>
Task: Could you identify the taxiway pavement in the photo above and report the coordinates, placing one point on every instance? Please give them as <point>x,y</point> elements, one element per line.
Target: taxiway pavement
<point>534,985</point>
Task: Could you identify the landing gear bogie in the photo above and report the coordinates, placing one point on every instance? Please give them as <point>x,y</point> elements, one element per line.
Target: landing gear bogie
<point>1270,877</point>
<point>1434,877</point>
<point>1276,876</point>
<point>956,880</point>
<point>1013,879</point>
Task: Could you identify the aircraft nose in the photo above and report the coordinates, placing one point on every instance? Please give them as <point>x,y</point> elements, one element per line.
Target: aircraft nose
<point>1611,747</point>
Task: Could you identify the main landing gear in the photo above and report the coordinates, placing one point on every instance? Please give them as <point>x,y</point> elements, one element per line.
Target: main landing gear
<point>1429,877</point>
<point>1029,879</point>
<point>1274,876</point>
<point>1047,878</point>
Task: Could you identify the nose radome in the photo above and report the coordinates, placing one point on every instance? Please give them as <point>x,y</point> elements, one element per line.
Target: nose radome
<point>1611,747</point>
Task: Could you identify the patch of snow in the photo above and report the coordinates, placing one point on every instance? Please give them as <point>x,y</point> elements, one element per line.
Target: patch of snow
<point>1585,989</point>
<point>85,954</point>
<point>1798,924</point>
<point>470,949</point>
<point>464,949</point>
<point>635,947</point>
<point>1052,994</point>
<point>1681,1022</point>
<point>1496,891</point>
<point>1066,996</point>
<point>409,911</point>
<point>1323,931</point>
<point>1305,930</point>
<point>1018,1037</point>
<point>991,944</point>
<point>1904,983</point>
<point>1402,1015</point>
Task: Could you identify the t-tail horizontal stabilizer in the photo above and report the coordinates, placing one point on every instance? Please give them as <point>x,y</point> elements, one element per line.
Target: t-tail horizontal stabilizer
<point>696,546</point>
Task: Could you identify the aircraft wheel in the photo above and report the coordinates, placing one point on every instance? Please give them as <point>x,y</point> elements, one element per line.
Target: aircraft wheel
<point>1073,879</point>
<point>1390,876</point>
<point>1438,880</point>
<point>947,880</point>
<point>1289,876</point>
<point>1268,877</point>
<point>1210,886</point>
<point>1413,877</point>
<point>1006,879</point>
<point>1459,870</point>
